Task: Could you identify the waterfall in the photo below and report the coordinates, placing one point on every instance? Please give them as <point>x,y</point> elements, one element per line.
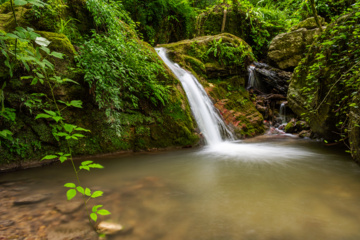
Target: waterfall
<point>253,79</point>
<point>282,112</point>
<point>209,121</point>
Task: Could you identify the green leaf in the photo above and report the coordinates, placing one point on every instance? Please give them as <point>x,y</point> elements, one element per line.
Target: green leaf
<point>77,135</point>
<point>42,115</point>
<point>57,118</point>
<point>93,216</point>
<point>82,129</point>
<point>69,127</point>
<point>26,77</point>
<point>84,163</point>
<point>71,193</point>
<point>10,35</point>
<point>57,55</point>
<point>80,189</point>
<point>50,112</point>
<point>20,2</point>
<point>45,49</point>
<point>62,159</point>
<point>103,212</point>
<point>69,80</point>
<point>42,41</point>
<point>84,167</point>
<point>49,157</point>
<point>76,103</point>
<point>95,208</point>
<point>70,185</point>
<point>61,134</point>
<point>95,165</point>
<point>97,194</point>
<point>34,81</point>
<point>87,192</point>
<point>40,75</point>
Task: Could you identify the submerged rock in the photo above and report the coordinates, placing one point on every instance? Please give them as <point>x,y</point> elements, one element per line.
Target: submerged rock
<point>36,198</point>
<point>109,228</point>
<point>69,207</point>
<point>73,230</point>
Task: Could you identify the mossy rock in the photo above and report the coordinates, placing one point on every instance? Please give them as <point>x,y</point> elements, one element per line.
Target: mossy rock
<point>7,21</point>
<point>308,23</point>
<point>224,83</point>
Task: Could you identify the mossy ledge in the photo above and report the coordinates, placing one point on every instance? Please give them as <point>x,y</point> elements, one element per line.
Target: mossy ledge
<point>223,75</point>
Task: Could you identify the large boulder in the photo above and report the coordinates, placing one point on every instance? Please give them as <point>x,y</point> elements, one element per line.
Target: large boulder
<point>220,64</point>
<point>240,21</point>
<point>325,86</point>
<point>272,80</point>
<point>287,49</point>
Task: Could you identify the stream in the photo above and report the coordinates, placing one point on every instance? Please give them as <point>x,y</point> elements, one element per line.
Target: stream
<point>262,188</point>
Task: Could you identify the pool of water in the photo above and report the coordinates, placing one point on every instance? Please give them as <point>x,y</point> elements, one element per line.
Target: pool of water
<point>264,188</point>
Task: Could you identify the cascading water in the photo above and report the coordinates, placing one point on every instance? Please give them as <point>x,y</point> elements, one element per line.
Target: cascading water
<point>283,112</point>
<point>209,121</point>
<point>253,79</point>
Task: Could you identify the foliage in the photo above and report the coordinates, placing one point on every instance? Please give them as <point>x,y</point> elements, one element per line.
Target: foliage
<point>126,75</point>
<point>300,9</point>
<point>42,72</point>
<point>228,53</point>
<point>332,70</point>
<point>157,18</point>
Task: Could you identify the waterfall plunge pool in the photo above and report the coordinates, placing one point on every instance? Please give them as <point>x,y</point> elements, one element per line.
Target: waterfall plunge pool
<point>276,188</point>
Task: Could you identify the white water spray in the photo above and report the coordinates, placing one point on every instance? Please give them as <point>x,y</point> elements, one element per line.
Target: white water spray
<point>253,79</point>
<point>283,112</point>
<point>209,121</point>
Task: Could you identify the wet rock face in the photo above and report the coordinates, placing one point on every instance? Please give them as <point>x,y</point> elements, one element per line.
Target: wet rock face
<point>287,49</point>
<point>273,79</point>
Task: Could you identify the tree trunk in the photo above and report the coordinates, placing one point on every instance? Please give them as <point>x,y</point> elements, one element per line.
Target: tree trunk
<point>224,21</point>
<point>318,23</point>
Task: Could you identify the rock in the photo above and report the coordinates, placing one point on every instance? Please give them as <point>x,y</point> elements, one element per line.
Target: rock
<point>287,49</point>
<point>322,105</point>
<point>272,78</point>
<point>69,207</point>
<point>290,127</point>
<point>296,126</point>
<point>6,223</point>
<point>305,134</point>
<point>36,198</point>
<point>308,23</point>
<point>73,230</point>
<point>110,228</point>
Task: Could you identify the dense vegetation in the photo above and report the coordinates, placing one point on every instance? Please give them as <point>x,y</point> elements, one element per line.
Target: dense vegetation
<point>130,87</point>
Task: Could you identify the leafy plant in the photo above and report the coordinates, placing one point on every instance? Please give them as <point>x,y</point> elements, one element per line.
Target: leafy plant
<point>125,75</point>
<point>41,71</point>
<point>229,54</point>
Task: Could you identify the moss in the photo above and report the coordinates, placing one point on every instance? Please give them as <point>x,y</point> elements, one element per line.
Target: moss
<point>308,23</point>
<point>290,127</point>
<point>223,82</point>
<point>7,21</point>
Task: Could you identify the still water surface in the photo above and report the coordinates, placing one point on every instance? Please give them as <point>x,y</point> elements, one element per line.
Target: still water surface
<point>258,189</point>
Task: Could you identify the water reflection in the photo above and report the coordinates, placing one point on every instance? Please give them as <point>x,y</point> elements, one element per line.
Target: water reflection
<point>280,189</point>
